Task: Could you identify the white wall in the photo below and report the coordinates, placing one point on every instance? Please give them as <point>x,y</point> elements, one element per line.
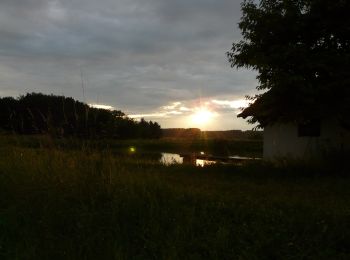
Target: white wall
<point>282,141</point>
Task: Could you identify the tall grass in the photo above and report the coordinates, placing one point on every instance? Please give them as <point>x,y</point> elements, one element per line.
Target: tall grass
<point>91,204</point>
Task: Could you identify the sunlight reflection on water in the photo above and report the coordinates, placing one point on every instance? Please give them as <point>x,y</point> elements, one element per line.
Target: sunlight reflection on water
<point>173,158</point>
<point>202,163</point>
<point>200,159</point>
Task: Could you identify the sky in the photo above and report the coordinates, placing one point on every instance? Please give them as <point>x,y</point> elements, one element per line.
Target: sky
<point>163,60</point>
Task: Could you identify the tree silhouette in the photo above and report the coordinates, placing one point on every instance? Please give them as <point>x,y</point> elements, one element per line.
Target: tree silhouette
<point>36,113</point>
<point>301,51</point>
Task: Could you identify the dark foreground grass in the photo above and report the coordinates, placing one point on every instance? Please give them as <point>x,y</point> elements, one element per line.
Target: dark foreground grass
<point>62,204</point>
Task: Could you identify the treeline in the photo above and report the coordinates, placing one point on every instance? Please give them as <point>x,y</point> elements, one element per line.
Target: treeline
<point>36,113</point>
<point>196,133</point>
<point>181,133</point>
<point>235,134</point>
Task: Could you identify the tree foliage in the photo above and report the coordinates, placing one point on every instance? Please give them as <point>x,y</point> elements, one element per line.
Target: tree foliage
<point>36,113</point>
<point>301,51</point>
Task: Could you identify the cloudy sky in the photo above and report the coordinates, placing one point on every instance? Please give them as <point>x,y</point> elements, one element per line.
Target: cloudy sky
<point>163,60</point>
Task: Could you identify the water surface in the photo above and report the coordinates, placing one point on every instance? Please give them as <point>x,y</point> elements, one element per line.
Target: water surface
<point>174,158</point>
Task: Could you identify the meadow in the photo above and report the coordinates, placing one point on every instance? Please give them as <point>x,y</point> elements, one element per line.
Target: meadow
<point>69,199</point>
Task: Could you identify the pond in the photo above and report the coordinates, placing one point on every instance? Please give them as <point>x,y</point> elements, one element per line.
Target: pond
<point>201,159</point>
<point>174,158</point>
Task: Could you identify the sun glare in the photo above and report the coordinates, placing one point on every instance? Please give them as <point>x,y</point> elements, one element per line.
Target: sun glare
<point>202,116</point>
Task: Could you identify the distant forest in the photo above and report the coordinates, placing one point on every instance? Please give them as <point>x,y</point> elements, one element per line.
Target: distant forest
<point>36,113</point>
<point>191,133</point>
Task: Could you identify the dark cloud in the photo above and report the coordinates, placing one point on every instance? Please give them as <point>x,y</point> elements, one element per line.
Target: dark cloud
<point>136,55</point>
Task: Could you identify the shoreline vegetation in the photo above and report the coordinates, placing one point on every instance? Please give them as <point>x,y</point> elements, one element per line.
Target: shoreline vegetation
<point>244,147</point>
<point>86,202</point>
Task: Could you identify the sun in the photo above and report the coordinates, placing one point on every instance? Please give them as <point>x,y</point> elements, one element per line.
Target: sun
<point>202,116</point>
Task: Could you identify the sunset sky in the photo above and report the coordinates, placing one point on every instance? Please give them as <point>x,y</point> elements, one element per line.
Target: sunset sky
<point>163,60</point>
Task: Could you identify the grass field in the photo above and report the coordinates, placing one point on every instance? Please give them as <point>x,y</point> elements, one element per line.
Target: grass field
<point>62,203</point>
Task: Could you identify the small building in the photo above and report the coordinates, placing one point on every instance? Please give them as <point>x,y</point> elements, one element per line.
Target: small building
<point>313,140</point>
<point>295,128</point>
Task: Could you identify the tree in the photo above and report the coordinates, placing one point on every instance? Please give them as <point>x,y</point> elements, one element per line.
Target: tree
<point>301,51</point>
<point>36,113</point>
